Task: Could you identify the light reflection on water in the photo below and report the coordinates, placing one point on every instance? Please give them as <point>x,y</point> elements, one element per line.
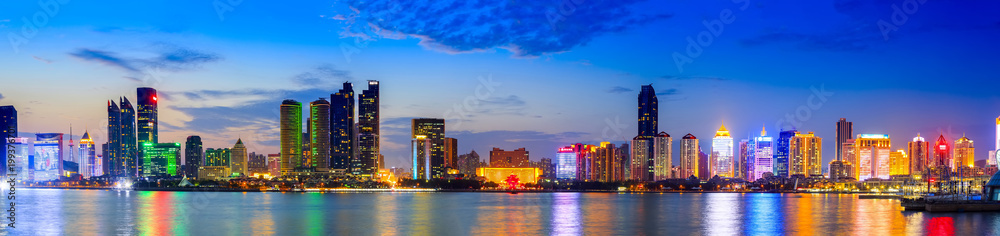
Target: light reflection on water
<point>89,212</point>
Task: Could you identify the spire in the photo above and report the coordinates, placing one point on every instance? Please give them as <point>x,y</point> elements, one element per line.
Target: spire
<point>763,131</point>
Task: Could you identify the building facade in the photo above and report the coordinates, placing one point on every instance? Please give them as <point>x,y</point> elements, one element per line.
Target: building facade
<point>146,118</point>
<point>845,131</point>
<point>343,135</point>
<point>872,151</point>
<point>965,153</point>
<point>366,162</point>
<point>566,163</point>
<point>291,136</point>
<point>899,163</point>
<point>663,153</point>
<point>919,153</point>
<point>689,155</point>
<point>8,131</point>
<point>319,135</point>
<point>722,154</point>
<point>432,130</point>
<point>161,159</point>
<point>194,155</point>
<point>806,155</point>
<point>238,160</point>
<point>761,149</point>
<point>782,151</point>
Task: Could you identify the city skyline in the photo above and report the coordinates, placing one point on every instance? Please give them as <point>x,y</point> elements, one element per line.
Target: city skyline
<point>203,84</point>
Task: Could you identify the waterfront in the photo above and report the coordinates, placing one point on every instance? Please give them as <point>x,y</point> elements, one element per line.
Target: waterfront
<point>97,212</point>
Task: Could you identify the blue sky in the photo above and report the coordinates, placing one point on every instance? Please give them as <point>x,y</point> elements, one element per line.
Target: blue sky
<point>562,72</point>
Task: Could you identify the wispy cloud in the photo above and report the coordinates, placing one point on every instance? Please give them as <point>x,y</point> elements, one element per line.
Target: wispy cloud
<point>42,59</point>
<point>525,28</point>
<point>668,92</point>
<point>322,76</point>
<point>1,96</point>
<point>168,57</point>
<point>619,89</point>
<point>509,105</point>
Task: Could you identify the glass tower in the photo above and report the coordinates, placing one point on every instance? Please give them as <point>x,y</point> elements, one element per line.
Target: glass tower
<point>193,155</point>
<point>342,133</point>
<point>8,131</point>
<point>319,135</point>
<point>129,151</point>
<point>291,136</point>
<point>146,119</point>
<point>366,162</point>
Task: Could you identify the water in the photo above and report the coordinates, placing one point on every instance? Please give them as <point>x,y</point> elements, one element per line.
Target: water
<point>91,212</point>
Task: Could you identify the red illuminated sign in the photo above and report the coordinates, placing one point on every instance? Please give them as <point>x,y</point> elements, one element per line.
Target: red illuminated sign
<point>565,150</point>
<point>944,147</point>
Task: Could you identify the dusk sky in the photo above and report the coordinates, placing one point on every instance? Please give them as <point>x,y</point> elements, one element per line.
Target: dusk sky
<point>558,71</point>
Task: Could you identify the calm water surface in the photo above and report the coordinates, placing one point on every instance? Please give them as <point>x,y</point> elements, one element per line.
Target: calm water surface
<point>90,212</point>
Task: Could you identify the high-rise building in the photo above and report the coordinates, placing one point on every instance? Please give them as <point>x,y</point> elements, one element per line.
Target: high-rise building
<point>161,159</point>
<point>997,147</point>
<point>48,163</point>
<point>239,158</point>
<point>742,164</point>
<point>433,131</point>
<point>781,152</point>
<point>851,157</point>
<point>663,154</point>
<point>451,153</point>
<point>806,156</point>
<point>872,152</point>
<point>761,150</point>
<point>548,168</point>
<point>919,155</point>
<point>722,153</point>
<point>648,112</point>
<point>704,165</point>
<point>218,157</point>
<point>21,157</point>
<point>146,118</point>
<point>517,158</point>
<point>622,171</point>
<point>291,136</point>
<point>8,131</point>
<point>566,163</point>
<point>194,154</point>
<point>319,135</point>
<point>942,154</point>
<point>840,169</point>
<point>965,155</point>
<point>257,165</point>
<point>89,164</point>
<point>845,131</point>
<point>689,156</point>
<point>129,150</point>
<point>343,135</point>
<point>641,154</point>
<point>113,153</point>
<point>602,167</point>
<point>421,151</point>
<point>467,163</point>
<point>899,163</point>
<point>365,163</point>
<point>274,164</point>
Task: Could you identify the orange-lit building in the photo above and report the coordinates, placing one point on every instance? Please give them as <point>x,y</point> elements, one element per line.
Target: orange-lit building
<point>498,175</point>
<point>509,159</point>
<point>964,153</point>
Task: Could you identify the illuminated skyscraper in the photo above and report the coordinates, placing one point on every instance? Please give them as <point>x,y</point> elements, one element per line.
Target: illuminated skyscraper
<point>942,154</point>
<point>48,163</point>
<point>639,162</point>
<point>872,152</point>
<point>965,155</point>
<point>722,153</point>
<point>319,132</point>
<point>566,163</point>
<point>602,164</point>
<point>762,154</point>
<point>365,163</point>
<point>663,152</point>
<point>850,157</point>
<point>421,151</point>
<point>781,152</point>
<point>467,163</point>
<point>648,112</point>
<point>433,129</point>
<point>238,160</point>
<point>146,118</point>
<point>129,150</point>
<point>451,153</point>
<point>116,164</point>
<point>899,163</point>
<point>8,130</point>
<point>689,156</point>
<point>500,158</point>
<point>740,165</point>
<point>218,157</point>
<point>194,154</point>
<point>919,151</point>
<point>806,155</point>
<point>291,136</point>
<point>845,131</point>
<point>840,169</point>
<point>89,164</point>
<point>342,129</point>
<point>161,159</point>
<point>21,156</point>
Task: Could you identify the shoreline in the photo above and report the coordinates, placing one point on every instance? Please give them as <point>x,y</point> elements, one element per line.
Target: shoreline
<point>199,189</point>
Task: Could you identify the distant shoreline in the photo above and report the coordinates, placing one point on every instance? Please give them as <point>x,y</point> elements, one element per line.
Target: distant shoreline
<point>424,190</point>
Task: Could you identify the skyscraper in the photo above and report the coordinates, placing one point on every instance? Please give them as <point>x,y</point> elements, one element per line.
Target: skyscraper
<point>781,152</point>
<point>845,131</point>
<point>648,112</point>
<point>761,150</point>
<point>942,154</point>
<point>566,163</point>
<point>433,130</point>
<point>421,151</point>
<point>851,158</point>
<point>663,154</point>
<point>89,164</point>
<point>899,163</point>
<point>641,153</point>
<point>744,164</point>
<point>920,158</point>
<point>161,159</point>
<point>689,156</point>
<point>342,130</point>
<point>193,155</point>
<point>602,163</point>
<point>48,163</point>
<point>129,147</point>
<point>872,152</point>
<point>451,153</point>
<point>291,136</point>
<point>146,119</point>
<point>238,160</point>
<point>518,158</point>
<point>218,157</point>
<point>965,155</point>
<point>116,164</point>
<point>467,163</point>
<point>365,163</point>
<point>722,153</point>
<point>8,131</point>
<point>319,132</point>
<point>806,155</point>
<point>997,147</point>
<point>704,165</point>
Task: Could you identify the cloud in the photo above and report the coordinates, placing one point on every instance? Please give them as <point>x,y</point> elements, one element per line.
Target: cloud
<point>510,105</point>
<point>168,57</point>
<point>668,92</point>
<point>672,77</point>
<point>620,89</point>
<point>525,28</point>
<point>42,59</point>
<point>322,76</point>
<point>105,58</point>
<point>1,96</point>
